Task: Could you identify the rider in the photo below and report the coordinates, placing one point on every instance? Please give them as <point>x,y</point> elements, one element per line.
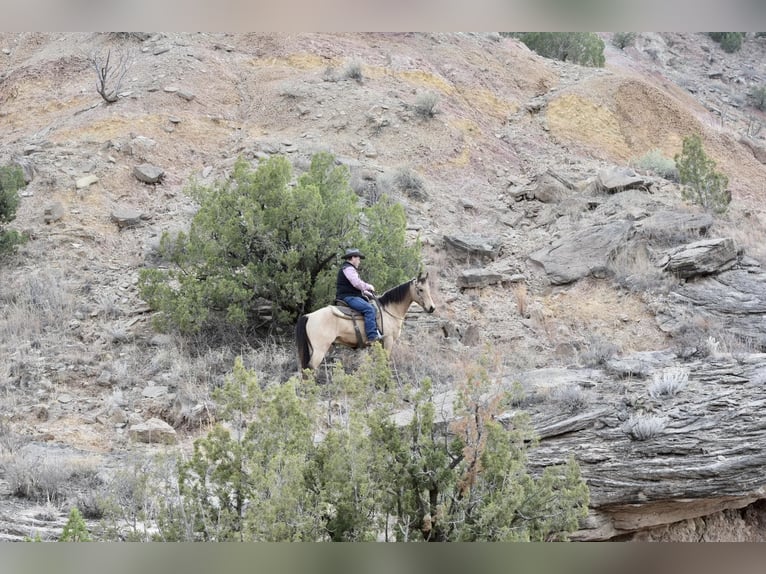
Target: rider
<point>355,292</point>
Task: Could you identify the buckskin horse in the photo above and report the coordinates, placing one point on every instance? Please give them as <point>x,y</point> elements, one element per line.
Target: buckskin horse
<point>316,332</point>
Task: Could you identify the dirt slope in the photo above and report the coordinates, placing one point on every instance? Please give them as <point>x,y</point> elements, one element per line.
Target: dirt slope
<point>192,103</point>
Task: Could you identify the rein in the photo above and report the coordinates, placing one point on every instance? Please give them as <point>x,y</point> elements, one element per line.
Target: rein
<point>382,309</point>
<point>390,313</point>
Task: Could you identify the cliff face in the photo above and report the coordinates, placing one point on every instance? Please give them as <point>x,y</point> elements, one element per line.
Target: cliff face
<point>592,281</point>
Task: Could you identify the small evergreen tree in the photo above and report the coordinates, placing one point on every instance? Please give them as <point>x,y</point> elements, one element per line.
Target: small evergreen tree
<point>701,183</point>
<point>244,481</point>
<point>11,180</point>
<point>730,41</point>
<point>75,529</point>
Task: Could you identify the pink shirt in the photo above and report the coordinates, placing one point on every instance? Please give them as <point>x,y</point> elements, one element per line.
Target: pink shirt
<point>351,274</point>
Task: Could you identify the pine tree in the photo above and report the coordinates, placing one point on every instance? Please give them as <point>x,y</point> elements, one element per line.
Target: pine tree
<point>702,184</point>
<point>75,530</point>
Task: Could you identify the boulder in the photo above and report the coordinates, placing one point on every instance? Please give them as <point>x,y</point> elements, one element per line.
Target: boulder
<point>668,224</point>
<point>53,212</point>
<point>153,431</point>
<point>487,247</point>
<point>616,179</point>
<point>548,187</point>
<point>126,217</point>
<point>734,300</point>
<point>86,181</point>
<point>700,258</point>
<point>582,252</point>
<point>148,173</point>
<point>475,278</point>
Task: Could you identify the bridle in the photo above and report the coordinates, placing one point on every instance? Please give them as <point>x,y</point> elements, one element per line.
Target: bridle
<point>389,312</point>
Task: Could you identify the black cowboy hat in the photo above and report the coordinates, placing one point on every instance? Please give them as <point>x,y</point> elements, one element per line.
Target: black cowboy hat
<point>351,252</point>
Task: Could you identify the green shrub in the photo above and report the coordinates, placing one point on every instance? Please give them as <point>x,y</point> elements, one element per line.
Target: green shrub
<point>425,105</point>
<point>584,48</point>
<point>702,184</point>
<point>730,41</point>
<point>370,477</point>
<point>261,250</point>
<point>248,485</point>
<point>655,162</point>
<point>758,97</point>
<point>75,529</point>
<point>623,39</point>
<point>11,180</point>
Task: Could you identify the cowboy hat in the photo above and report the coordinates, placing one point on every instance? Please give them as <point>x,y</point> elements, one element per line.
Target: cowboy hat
<point>352,252</point>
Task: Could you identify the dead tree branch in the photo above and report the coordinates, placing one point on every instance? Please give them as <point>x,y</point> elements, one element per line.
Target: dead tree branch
<point>110,73</point>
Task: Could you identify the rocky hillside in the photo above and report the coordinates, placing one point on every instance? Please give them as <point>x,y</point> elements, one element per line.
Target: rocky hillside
<point>633,320</point>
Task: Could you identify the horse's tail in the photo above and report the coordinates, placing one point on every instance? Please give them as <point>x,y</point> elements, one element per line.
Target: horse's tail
<point>302,342</point>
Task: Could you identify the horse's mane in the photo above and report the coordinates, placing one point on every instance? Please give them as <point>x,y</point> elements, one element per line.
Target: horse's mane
<point>395,294</point>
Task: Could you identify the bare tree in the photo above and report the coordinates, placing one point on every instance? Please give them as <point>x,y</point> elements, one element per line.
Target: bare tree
<point>110,72</point>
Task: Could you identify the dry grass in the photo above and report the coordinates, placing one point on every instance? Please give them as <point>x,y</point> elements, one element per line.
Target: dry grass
<point>669,382</point>
<point>696,333</point>
<point>634,270</point>
<point>416,357</point>
<point>748,230</point>
<point>571,398</point>
<point>597,351</point>
<point>47,476</point>
<point>708,336</point>
<point>425,105</point>
<point>402,180</point>
<point>353,71</point>
<point>520,294</point>
<point>272,362</point>
<point>204,371</point>
<point>593,308</point>
<point>135,494</point>
<point>644,426</point>
<point>37,304</point>
<point>10,440</point>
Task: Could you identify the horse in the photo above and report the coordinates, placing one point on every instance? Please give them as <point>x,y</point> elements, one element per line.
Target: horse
<point>316,332</point>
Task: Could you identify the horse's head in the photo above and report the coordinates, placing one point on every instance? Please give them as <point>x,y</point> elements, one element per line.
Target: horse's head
<point>422,293</point>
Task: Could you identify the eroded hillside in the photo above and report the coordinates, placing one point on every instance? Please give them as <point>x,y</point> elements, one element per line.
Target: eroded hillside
<point>81,361</point>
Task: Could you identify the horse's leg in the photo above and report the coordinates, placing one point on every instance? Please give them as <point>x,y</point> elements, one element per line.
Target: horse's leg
<point>321,341</point>
<point>391,330</point>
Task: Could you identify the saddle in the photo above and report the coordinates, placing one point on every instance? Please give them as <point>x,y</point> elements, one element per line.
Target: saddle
<point>342,309</point>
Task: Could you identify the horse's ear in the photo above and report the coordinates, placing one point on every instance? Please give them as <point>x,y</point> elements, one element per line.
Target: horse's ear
<point>422,276</point>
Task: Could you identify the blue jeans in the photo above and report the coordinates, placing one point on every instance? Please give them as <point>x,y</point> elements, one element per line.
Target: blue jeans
<point>366,308</point>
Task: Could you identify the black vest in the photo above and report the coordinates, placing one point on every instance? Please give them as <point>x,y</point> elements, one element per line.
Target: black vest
<point>343,287</point>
